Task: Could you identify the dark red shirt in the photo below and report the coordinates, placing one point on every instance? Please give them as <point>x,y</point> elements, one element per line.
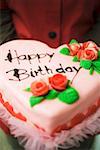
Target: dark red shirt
<point>53,21</point>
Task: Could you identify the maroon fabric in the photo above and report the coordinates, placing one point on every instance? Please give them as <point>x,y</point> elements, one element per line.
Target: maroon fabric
<point>3,4</point>
<point>35,19</point>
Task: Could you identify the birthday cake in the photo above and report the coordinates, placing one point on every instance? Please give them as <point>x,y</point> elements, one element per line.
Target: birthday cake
<point>51,89</point>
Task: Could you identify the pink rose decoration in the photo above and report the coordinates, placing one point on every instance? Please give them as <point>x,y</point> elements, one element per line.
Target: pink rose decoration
<point>74,48</point>
<point>58,82</point>
<point>88,54</point>
<point>39,88</point>
<point>90,44</point>
<point>80,54</point>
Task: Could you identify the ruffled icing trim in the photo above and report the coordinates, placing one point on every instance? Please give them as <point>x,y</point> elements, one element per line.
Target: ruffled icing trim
<point>32,138</point>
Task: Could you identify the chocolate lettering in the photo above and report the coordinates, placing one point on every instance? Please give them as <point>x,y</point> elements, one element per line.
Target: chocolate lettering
<point>77,69</point>
<point>31,73</point>
<point>60,70</point>
<point>39,56</point>
<point>29,57</point>
<point>18,58</point>
<point>20,74</point>
<point>48,70</point>
<point>51,56</point>
<point>69,69</point>
<point>39,71</point>
<point>9,56</point>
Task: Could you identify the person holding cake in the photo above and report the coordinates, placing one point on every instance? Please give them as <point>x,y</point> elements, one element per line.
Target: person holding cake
<point>51,22</point>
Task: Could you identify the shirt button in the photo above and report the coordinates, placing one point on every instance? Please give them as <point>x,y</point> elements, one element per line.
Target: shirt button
<point>52,35</point>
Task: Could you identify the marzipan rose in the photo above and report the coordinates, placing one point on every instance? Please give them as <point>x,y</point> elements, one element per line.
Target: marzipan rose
<point>88,54</point>
<point>74,48</point>
<point>80,54</point>
<point>39,88</point>
<point>90,44</point>
<point>58,82</point>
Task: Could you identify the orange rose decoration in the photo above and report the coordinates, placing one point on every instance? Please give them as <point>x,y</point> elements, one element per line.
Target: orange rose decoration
<point>39,88</point>
<point>58,82</point>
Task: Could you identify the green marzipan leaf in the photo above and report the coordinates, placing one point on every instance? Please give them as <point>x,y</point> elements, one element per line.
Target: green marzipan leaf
<point>35,100</point>
<point>75,59</point>
<point>51,95</point>
<point>96,63</point>
<point>98,53</point>
<point>28,89</point>
<point>91,70</point>
<point>73,41</point>
<point>97,69</point>
<point>86,64</point>
<point>65,51</point>
<point>69,96</point>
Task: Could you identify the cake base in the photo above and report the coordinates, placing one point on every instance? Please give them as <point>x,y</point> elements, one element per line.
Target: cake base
<point>34,138</point>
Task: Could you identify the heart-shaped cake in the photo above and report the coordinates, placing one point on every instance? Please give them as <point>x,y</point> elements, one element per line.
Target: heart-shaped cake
<point>52,89</point>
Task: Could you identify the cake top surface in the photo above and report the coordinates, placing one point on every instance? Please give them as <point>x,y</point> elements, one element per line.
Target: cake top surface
<point>25,61</point>
<point>28,60</point>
